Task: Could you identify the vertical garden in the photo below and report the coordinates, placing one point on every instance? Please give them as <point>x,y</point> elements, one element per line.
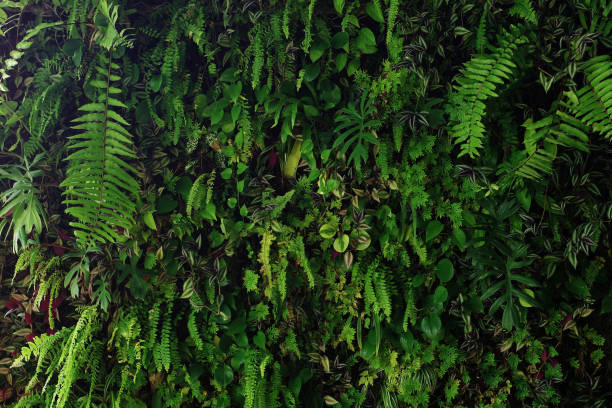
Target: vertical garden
<point>306,203</point>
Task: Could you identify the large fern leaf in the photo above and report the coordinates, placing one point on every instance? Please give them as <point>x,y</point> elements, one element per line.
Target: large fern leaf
<point>479,80</point>
<point>542,138</point>
<point>594,104</point>
<point>99,182</point>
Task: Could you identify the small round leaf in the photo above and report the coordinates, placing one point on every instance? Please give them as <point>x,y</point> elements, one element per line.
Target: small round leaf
<point>341,243</point>
<point>445,270</point>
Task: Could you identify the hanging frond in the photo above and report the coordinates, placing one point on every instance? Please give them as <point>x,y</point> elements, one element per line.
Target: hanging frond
<point>541,138</point>
<point>99,183</point>
<point>594,100</point>
<point>479,80</point>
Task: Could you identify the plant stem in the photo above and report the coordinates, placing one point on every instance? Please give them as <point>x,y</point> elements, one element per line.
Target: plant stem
<point>294,159</point>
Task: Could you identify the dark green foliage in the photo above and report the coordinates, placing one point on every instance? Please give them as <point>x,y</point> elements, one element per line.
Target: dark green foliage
<point>300,203</point>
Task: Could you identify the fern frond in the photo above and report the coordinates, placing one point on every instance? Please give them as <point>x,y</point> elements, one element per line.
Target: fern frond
<point>523,9</point>
<point>541,138</point>
<point>251,379</point>
<point>196,195</point>
<point>479,80</point>
<point>99,184</point>
<point>481,32</point>
<point>594,107</point>
<point>298,249</point>
<point>391,17</point>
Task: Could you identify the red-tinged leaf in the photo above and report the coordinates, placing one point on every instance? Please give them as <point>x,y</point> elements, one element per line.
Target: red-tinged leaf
<point>58,250</point>
<point>272,158</point>
<point>63,235</point>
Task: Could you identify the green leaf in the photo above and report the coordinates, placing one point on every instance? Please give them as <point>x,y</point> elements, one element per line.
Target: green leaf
<point>209,211</point>
<point>577,286</point>
<point>311,72</point>
<point>226,174</point>
<point>149,261</point>
<point>374,11</point>
<point>317,49</point>
<point>363,240</point>
<point>474,304</point>
<point>369,347</point>
<point>340,40</point>
<point>460,238</point>
<point>149,221</point>
<point>233,91</point>
<point>440,294</point>
<point>431,326</point>
<point>74,49</point>
<point>508,318</point>
<point>327,231</point>
<point>230,75</point>
<point>445,270</point>
<point>341,60</point>
<point>166,204</point>
<point>260,340</point>
<point>434,228</point>
<point>365,41</point>
<point>339,6</point>
<point>224,375</point>
<point>341,243</point>
<point>524,301</point>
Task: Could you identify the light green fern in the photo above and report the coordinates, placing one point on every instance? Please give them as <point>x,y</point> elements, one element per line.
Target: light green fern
<point>479,80</point>
<point>99,183</point>
<point>594,100</point>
